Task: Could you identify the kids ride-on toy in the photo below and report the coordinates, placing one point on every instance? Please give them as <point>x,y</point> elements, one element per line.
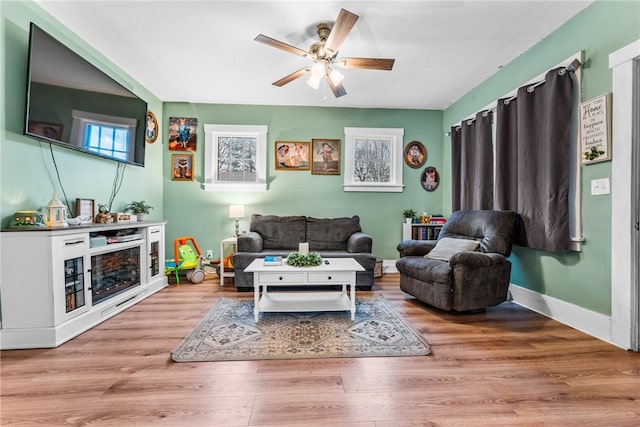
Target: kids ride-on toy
<point>188,259</point>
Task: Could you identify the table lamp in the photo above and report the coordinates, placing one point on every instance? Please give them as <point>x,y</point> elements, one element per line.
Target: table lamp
<point>236,211</point>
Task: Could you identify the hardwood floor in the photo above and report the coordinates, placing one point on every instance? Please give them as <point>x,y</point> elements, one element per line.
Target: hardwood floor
<point>503,367</point>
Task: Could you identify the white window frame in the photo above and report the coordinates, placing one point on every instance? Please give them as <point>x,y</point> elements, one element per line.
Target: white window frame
<point>395,136</point>
<point>210,178</point>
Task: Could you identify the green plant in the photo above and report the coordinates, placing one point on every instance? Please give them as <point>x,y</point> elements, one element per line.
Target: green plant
<point>138,207</point>
<point>593,154</point>
<point>409,213</point>
<point>296,259</point>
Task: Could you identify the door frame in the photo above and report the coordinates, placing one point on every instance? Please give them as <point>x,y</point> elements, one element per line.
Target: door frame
<point>625,287</point>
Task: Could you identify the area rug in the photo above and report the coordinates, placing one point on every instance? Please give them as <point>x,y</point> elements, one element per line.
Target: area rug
<point>229,332</point>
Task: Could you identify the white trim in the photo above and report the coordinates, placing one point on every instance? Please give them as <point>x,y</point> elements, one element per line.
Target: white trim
<point>624,310</point>
<point>590,322</point>
<point>395,136</point>
<point>210,178</point>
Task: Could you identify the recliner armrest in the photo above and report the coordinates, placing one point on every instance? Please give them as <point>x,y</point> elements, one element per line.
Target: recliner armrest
<point>476,259</point>
<point>415,247</point>
<point>250,242</point>
<point>360,242</point>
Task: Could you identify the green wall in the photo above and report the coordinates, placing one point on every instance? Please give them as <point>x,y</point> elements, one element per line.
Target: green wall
<point>28,177</point>
<point>192,211</point>
<point>581,278</point>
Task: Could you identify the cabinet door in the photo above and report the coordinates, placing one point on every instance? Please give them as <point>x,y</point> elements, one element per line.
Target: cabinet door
<point>71,278</point>
<point>155,251</point>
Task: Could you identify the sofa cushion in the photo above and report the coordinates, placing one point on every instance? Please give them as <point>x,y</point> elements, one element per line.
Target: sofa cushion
<point>279,232</point>
<point>331,234</point>
<point>448,247</point>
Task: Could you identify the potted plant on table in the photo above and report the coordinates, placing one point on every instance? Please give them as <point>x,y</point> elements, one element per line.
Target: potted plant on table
<point>139,209</point>
<point>408,215</point>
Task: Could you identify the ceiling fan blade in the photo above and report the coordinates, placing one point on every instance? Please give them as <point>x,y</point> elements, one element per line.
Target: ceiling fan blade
<point>368,63</point>
<point>338,90</point>
<point>280,45</point>
<point>345,21</point>
<point>291,77</point>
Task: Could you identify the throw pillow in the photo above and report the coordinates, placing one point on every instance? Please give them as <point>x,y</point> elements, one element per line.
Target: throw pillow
<point>447,247</point>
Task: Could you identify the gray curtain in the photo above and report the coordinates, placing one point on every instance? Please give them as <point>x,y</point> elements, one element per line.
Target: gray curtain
<point>472,164</point>
<point>533,151</point>
<point>456,152</point>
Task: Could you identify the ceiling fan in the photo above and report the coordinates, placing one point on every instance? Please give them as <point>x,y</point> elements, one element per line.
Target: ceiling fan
<point>324,54</point>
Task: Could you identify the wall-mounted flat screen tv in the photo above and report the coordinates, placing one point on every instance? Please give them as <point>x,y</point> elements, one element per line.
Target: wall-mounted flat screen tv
<point>72,103</point>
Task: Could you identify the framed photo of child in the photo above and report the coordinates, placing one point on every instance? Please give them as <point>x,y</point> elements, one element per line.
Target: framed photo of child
<point>326,156</point>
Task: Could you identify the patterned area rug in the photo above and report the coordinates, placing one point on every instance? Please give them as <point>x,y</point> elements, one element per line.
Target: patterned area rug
<point>229,332</point>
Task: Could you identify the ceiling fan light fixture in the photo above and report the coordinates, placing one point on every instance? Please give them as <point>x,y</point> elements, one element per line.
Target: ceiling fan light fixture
<point>314,81</point>
<point>317,69</point>
<point>336,76</point>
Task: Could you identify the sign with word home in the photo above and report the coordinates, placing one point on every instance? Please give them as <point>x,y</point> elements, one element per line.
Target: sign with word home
<point>595,129</point>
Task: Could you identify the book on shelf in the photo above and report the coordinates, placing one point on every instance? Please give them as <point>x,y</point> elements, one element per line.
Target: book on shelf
<point>272,260</point>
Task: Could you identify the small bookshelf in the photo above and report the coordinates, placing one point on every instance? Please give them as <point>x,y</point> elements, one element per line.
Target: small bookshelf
<point>421,231</point>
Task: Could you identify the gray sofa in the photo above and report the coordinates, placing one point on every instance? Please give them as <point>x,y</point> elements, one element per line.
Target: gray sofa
<point>280,235</point>
<point>464,280</point>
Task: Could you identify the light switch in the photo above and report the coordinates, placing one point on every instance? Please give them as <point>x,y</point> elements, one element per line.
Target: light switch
<point>600,186</point>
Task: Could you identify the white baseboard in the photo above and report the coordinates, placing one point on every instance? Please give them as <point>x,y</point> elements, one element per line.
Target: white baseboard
<point>389,266</point>
<point>597,325</point>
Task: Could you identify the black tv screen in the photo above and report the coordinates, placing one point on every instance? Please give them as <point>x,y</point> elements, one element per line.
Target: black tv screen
<point>73,104</point>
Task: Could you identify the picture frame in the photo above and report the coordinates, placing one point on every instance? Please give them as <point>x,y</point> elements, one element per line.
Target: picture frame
<point>325,156</point>
<point>415,154</point>
<point>85,209</point>
<point>595,129</point>
<point>182,167</point>
<point>151,131</point>
<point>183,134</point>
<point>48,130</point>
<point>292,155</point>
<point>430,178</point>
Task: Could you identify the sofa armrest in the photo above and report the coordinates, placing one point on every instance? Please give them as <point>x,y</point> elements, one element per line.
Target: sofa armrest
<point>250,242</point>
<point>415,247</point>
<point>360,242</point>
<point>476,259</point>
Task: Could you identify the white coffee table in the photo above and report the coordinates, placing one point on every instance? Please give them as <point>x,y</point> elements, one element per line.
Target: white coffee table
<point>338,271</point>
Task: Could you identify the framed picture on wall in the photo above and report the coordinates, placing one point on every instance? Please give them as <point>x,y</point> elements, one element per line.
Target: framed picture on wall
<point>182,167</point>
<point>415,154</point>
<point>183,134</point>
<point>292,155</point>
<point>151,132</point>
<point>430,178</point>
<point>326,156</point>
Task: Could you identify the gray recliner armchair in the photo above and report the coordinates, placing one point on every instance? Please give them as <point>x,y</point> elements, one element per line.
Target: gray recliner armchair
<point>467,267</point>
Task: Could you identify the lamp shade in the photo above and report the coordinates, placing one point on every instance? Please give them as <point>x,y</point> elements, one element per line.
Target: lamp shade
<point>236,211</point>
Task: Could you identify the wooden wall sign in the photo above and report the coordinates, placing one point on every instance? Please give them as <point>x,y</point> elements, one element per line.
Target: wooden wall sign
<point>595,129</point>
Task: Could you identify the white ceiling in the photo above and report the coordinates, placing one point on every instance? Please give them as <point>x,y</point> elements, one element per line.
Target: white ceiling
<point>203,51</point>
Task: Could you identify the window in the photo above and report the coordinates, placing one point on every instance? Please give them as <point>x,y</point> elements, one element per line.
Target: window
<point>235,158</point>
<point>373,159</point>
<point>108,136</point>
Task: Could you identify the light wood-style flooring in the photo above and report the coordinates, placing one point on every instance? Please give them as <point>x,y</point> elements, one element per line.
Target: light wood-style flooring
<point>504,367</point>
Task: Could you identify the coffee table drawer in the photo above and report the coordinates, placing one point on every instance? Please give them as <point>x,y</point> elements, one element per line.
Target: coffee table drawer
<point>282,277</point>
<point>329,277</point>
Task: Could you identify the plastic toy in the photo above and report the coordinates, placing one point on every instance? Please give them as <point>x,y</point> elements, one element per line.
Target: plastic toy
<point>188,258</point>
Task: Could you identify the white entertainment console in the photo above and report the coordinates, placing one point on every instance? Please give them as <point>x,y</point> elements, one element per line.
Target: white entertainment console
<point>54,285</point>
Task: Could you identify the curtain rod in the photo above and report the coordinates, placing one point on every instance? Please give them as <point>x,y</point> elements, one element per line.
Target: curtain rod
<point>533,83</point>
